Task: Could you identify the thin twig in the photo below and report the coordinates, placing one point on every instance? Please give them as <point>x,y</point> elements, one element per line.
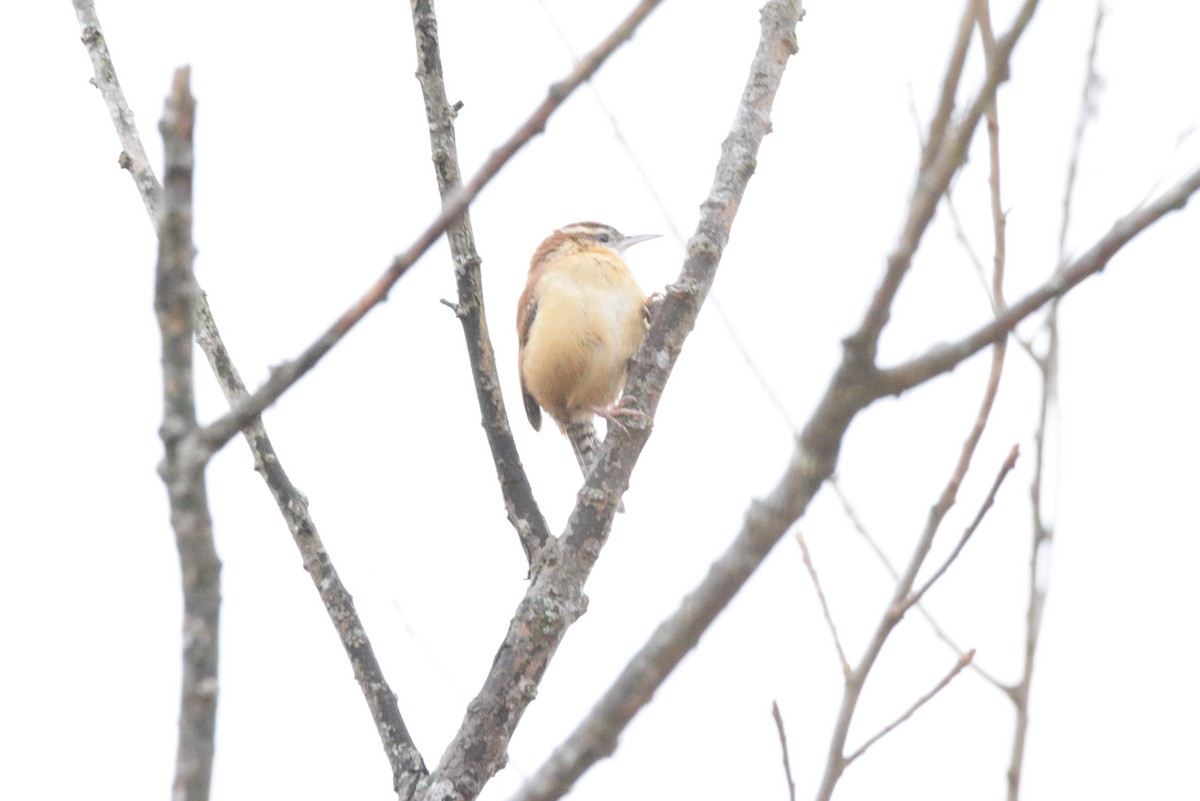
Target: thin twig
<point>133,155</point>
<point>787,764</point>
<point>1009,463</point>
<point>285,375</point>
<point>962,662</point>
<point>183,467</point>
<point>934,626</point>
<point>1047,364</point>
<point>812,574</point>
<point>1087,110</point>
<point>943,158</point>
<point>939,123</point>
<point>998,353</point>
<point>942,358</point>
<point>522,507</point>
<point>408,768</point>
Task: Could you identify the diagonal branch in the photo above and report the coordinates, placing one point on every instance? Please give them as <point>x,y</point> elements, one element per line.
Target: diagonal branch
<point>962,662</point>
<point>407,766</point>
<point>933,179</point>
<point>915,597</point>
<point>943,358</point>
<point>183,467</point>
<point>816,582</point>
<point>522,508</point>
<point>133,155</point>
<point>220,431</point>
<point>934,626</point>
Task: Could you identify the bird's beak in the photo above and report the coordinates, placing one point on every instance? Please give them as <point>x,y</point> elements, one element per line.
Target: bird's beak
<point>630,241</point>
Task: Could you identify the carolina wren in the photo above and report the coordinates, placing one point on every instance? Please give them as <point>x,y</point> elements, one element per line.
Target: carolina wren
<point>579,320</point>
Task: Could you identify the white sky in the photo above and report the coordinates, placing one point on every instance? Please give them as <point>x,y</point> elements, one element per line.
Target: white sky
<point>313,169</point>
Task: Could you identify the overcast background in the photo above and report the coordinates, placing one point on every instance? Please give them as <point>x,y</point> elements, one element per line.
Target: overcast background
<point>313,170</point>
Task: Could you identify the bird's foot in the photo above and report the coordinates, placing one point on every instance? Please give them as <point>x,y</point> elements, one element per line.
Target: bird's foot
<point>621,408</point>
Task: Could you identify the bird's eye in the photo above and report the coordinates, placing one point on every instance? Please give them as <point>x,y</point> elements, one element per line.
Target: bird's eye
<point>603,238</point>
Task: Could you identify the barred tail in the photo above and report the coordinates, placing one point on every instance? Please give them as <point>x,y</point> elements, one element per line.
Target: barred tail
<point>586,447</point>
<point>584,442</point>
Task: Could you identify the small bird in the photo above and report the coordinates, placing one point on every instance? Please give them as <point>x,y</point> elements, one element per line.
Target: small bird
<point>579,320</point>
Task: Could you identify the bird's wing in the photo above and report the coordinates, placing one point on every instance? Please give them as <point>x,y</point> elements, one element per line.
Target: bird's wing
<point>527,312</point>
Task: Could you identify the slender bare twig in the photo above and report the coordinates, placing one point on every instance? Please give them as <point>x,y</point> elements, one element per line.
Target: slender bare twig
<point>962,662</point>
<point>998,302</point>
<point>133,155</point>
<point>1005,469</point>
<point>942,358</point>
<point>812,574</point>
<point>934,626</point>
<point>942,159</point>
<point>1087,109</point>
<point>407,766</point>
<point>522,508</point>
<point>940,122</point>
<point>285,375</point>
<point>588,526</point>
<point>787,763</point>
<point>1047,364</point>
<point>183,466</point>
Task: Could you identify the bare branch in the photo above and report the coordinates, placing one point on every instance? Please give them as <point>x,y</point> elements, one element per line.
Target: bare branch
<point>1087,108</point>
<point>183,467</point>
<point>940,121</point>
<point>133,155</point>
<point>812,574</point>
<point>407,766</point>
<point>1047,364</point>
<point>943,358</point>
<point>963,661</point>
<point>522,508</point>
<point>938,631</point>
<point>1005,469</point>
<point>285,375</point>
<point>787,764</point>
<point>932,181</point>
